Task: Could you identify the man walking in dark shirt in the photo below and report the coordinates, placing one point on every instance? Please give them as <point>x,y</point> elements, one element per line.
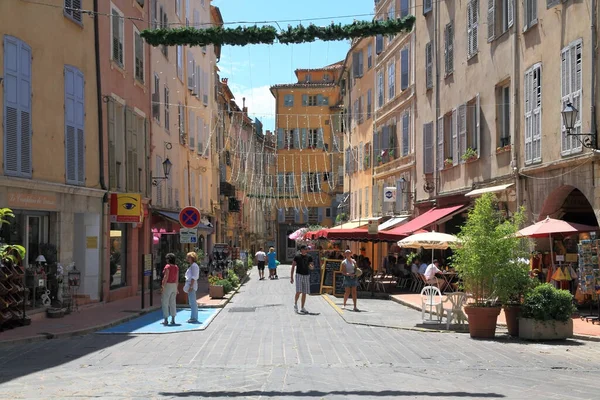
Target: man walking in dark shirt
<point>302,264</point>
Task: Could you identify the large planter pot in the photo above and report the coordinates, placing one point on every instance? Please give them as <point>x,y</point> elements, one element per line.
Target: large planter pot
<point>532,329</point>
<point>482,321</point>
<point>512,314</point>
<point>216,292</point>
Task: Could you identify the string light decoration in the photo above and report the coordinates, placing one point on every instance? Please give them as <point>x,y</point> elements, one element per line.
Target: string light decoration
<point>268,34</point>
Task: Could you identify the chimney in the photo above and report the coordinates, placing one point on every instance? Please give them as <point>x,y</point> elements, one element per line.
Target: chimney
<point>244,108</point>
<point>224,80</point>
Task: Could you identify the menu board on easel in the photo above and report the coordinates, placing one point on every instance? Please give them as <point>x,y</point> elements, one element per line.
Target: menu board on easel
<point>329,268</point>
<point>315,273</point>
<point>338,284</point>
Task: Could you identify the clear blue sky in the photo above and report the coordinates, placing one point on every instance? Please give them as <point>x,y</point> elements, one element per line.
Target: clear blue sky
<point>252,69</point>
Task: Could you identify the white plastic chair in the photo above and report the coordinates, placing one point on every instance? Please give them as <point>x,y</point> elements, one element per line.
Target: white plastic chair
<point>431,299</point>
<point>455,309</point>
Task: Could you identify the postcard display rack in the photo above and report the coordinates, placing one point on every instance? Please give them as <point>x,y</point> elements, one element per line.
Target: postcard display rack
<point>589,270</point>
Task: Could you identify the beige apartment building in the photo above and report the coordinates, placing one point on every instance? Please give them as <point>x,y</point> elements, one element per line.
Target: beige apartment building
<point>491,86</point>
<point>183,110</point>
<point>394,102</point>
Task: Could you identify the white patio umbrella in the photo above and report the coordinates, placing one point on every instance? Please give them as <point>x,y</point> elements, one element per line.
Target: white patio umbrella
<point>430,241</point>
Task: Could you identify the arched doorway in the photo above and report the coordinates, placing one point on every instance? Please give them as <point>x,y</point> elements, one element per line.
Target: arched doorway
<point>569,204</point>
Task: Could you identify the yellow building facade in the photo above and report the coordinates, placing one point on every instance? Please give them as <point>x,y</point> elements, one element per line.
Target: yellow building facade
<point>307,147</point>
<point>50,175</point>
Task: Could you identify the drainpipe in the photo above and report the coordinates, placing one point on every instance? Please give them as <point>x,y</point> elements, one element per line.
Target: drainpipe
<point>100,146</point>
<point>436,21</point>
<point>515,141</point>
<point>593,74</point>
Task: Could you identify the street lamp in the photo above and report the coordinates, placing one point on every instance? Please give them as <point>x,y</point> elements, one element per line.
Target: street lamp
<point>569,114</point>
<point>403,183</point>
<point>167,164</point>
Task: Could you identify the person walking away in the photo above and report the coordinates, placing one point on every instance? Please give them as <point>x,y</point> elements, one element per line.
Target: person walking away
<point>302,264</point>
<point>169,289</point>
<point>348,267</point>
<point>191,285</point>
<point>272,257</point>
<point>260,261</point>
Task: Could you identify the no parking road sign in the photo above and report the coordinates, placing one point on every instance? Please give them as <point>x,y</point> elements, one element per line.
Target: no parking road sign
<point>189,217</point>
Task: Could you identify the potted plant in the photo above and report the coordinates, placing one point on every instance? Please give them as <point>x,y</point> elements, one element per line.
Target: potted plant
<point>469,155</point>
<point>367,161</point>
<point>448,163</point>
<point>379,159</point>
<point>488,246</point>
<point>391,153</point>
<point>512,285</point>
<point>216,290</point>
<point>546,314</point>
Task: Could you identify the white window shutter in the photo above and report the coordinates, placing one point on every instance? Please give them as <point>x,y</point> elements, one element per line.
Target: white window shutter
<point>440,143</point>
<point>491,19</point>
<point>478,125</point>
<point>198,81</point>
<point>537,113</point>
<point>469,29</point>
<point>455,149</point>
<point>462,130</point>
<point>511,12</point>
<point>528,100</point>
<point>191,70</point>
<point>428,148</point>
<point>475,30</point>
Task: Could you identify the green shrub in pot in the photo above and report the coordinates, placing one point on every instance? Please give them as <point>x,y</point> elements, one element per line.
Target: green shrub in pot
<point>546,303</point>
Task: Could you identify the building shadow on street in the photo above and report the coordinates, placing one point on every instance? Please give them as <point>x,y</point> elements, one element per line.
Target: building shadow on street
<point>20,360</point>
<point>322,394</point>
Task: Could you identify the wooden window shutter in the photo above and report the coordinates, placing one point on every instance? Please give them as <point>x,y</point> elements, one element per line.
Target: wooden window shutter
<point>440,143</point>
<point>17,107</point>
<point>74,126</point>
<point>462,130</point>
<point>112,162</point>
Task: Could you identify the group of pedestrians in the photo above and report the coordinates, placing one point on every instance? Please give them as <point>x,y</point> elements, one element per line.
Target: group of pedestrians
<point>270,257</point>
<point>169,287</point>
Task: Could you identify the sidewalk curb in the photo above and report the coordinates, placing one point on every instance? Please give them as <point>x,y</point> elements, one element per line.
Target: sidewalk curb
<point>78,332</point>
<point>414,307</point>
<point>341,313</point>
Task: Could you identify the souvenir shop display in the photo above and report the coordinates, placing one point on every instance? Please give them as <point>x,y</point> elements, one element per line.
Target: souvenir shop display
<point>589,273</point>
<point>221,257</point>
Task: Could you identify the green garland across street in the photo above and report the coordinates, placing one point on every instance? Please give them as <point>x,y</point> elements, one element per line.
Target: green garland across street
<point>242,36</point>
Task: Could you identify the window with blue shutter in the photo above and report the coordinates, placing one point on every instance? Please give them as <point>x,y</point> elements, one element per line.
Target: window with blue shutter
<point>320,214</point>
<point>378,44</point>
<point>17,107</point>
<point>305,215</point>
<point>295,137</point>
<point>74,126</point>
<point>296,216</point>
<point>405,134</point>
<point>305,100</point>
<point>280,215</point>
<point>280,138</point>
<point>288,100</point>
<point>320,139</point>
<point>303,139</point>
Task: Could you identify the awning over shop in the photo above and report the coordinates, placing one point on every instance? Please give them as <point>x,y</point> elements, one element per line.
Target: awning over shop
<point>391,223</point>
<point>355,223</point>
<point>491,189</point>
<point>174,216</point>
<point>357,234</point>
<point>422,221</point>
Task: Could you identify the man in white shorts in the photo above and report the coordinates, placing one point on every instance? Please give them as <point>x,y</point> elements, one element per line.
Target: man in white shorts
<point>302,264</point>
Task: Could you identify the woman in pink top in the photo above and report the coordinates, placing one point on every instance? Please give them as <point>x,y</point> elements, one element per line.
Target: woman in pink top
<point>169,289</point>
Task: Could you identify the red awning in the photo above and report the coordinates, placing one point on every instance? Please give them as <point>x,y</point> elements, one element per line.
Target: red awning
<point>422,221</point>
<point>357,234</point>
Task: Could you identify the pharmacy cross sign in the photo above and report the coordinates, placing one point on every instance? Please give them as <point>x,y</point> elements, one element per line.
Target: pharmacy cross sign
<point>189,217</point>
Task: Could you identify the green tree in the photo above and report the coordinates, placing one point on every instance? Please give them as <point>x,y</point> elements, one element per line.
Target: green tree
<point>489,248</point>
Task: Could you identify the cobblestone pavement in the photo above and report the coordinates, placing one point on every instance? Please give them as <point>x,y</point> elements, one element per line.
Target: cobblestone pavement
<point>259,348</point>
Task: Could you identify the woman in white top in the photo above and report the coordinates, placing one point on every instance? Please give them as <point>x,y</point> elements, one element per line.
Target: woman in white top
<point>191,285</point>
<point>348,268</point>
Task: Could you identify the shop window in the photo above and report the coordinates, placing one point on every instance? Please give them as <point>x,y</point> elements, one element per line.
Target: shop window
<point>28,230</point>
<point>118,255</point>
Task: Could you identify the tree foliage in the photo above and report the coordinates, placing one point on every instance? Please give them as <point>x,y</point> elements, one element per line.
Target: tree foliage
<point>489,249</point>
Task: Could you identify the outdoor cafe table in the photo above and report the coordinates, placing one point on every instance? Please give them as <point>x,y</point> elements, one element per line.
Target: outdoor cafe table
<point>448,277</point>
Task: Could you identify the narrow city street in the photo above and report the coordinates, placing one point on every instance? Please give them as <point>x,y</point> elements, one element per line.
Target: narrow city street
<point>257,347</point>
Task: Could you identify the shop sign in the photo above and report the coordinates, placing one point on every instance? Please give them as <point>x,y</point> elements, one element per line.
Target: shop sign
<point>389,195</point>
<point>373,227</point>
<point>126,207</point>
<point>188,235</point>
<point>32,201</point>
<point>91,242</point>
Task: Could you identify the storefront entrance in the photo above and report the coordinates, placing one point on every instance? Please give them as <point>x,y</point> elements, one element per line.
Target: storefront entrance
<point>29,228</point>
<point>569,204</point>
